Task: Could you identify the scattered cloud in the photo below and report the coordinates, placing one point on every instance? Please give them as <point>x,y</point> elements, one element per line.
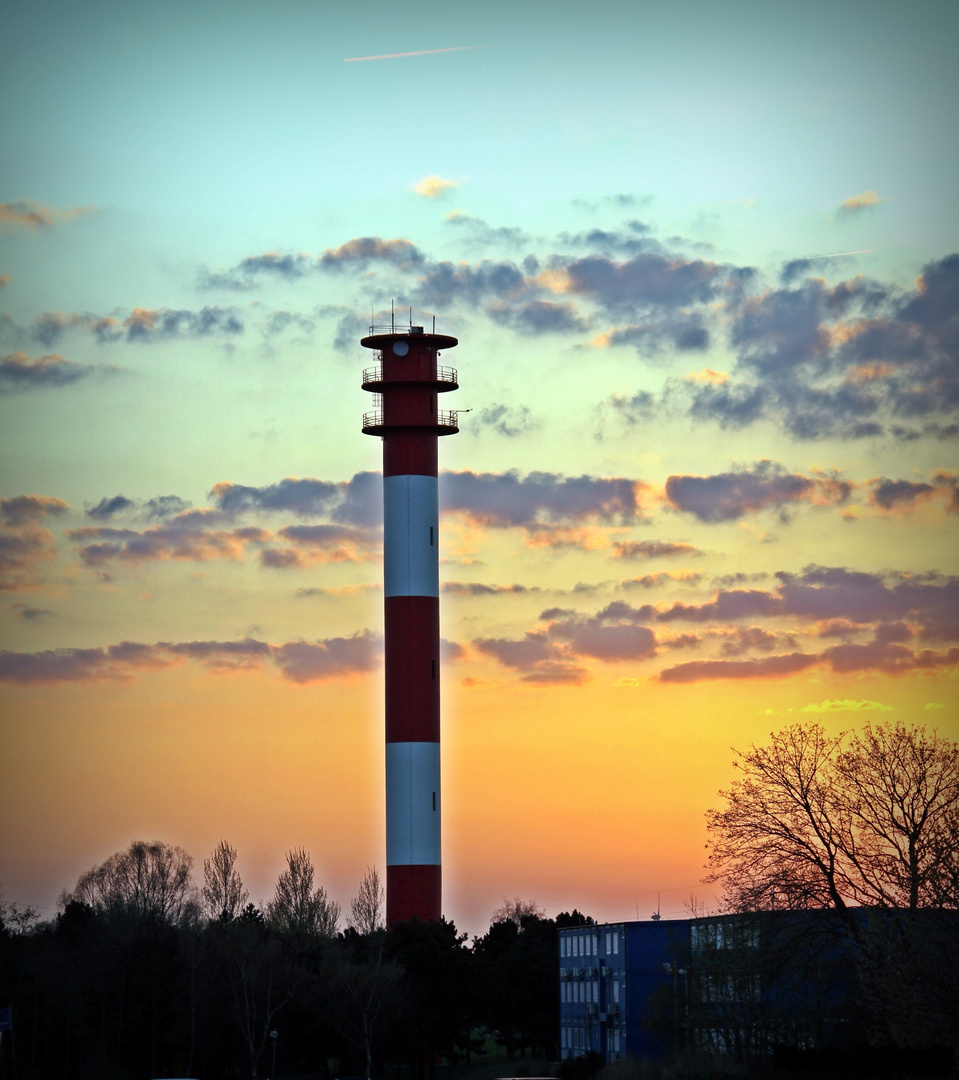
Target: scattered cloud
<point>29,613</point>
<point>313,661</point>
<point>475,588</point>
<point>32,215</point>
<point>856,204</point>
<point>902,496</point>
<point>508,420</point>
<point>501,500</point>
<point>651,549</point>
<point>26,546</point>
<point>479,233</point>
<point>368,249</point>
<point>431,187</point>
<point>185,537</point>
<point>298,661</point>
<point>107,507</point>
<point>730,496</point>
<point>846,705</point>
<point>19,372</point>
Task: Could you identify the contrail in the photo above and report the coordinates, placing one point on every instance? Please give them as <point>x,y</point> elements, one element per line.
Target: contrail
<point>421,52</point>
<point>836,254</point>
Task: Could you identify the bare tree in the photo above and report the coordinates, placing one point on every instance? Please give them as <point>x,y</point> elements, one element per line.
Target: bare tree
<point>147,879</point>
<point>17,918</point>
<point>360,988</point>
<point>812,823</point>
<point>865,825</point>
<point>297,908</point>
<point>900,789</point>
<point>516,910</point>
<point>367,905</point>
<point>223,891</point>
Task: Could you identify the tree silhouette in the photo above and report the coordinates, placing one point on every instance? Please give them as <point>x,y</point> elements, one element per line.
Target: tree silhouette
<point>223,891</point>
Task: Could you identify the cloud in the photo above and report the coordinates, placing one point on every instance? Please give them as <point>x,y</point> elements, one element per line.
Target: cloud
<point>161,324</point>
<point>366,249</point>
<point>29,509</point>
<point>242,277</point>
<point>843,361</point>
<point>539,660</point>
<point>730,496</point>
<point>648,279</point>
<point>651,581</point>
<point>357,501</point>
<point>431,187</point>
<point>184,537</point>
<point>480,233</point>
<point>846,705</point>
<point>307,497</point>
<point>537,317</point>
<point>465,589</point>
<point>601,639</point>
<point>19,373</point>
<point>321,544</point>
<point>893,607</point>
<point>25,545</point>
<point>313,661</point>
<point>651,549</point>
<point>32,614</point>
<point>32,215</point>
<point>763,668</point>
<point>898,494</point>
<point>856,204</point>
<point>162,506</point>
<point>898,611</point>
<point>298,661</point>
<point>502,500</point>
<point>107,507</point>
<point>444,283</point>
<point>505,420</point>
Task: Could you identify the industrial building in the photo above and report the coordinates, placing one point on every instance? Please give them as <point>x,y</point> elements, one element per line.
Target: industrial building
<point>611,978</point>
<point>757,987</point>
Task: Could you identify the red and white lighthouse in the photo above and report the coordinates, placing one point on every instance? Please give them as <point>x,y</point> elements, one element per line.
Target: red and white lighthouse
<point>407,380</point>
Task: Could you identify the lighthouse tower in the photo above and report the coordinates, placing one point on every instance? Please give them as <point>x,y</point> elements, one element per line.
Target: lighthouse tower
<point>406,381</point>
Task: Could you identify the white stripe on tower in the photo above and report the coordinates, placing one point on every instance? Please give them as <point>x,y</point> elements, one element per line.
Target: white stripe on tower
<point>412,803</point>
<point>410,536</point>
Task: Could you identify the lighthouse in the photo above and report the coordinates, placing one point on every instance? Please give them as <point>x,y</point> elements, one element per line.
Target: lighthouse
<point>406,381</point>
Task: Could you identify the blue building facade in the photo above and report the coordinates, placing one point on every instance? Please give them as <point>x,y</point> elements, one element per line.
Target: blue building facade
<point>611,978</point>
<point>746,987</point>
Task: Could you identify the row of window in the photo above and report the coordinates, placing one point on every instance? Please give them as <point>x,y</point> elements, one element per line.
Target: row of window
<point>577,1038</point>
<point>588,944</point>
<point>578,992</point>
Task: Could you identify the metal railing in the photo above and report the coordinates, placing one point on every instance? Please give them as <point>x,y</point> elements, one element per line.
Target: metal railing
<point>395,328</point>
<point>444,374</point>
<point>375,419</point>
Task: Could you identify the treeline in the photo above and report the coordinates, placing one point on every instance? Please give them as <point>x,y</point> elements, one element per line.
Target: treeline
<point>144,975</point>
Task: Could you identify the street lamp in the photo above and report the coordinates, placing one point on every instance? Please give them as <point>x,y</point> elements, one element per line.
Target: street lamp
<point>274,1035</point>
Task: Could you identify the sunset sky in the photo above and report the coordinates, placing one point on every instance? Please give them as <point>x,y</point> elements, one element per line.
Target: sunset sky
<point>703,263</point>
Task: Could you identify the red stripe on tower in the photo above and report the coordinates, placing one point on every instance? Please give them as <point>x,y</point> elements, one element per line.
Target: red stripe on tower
<point>407,379</point>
